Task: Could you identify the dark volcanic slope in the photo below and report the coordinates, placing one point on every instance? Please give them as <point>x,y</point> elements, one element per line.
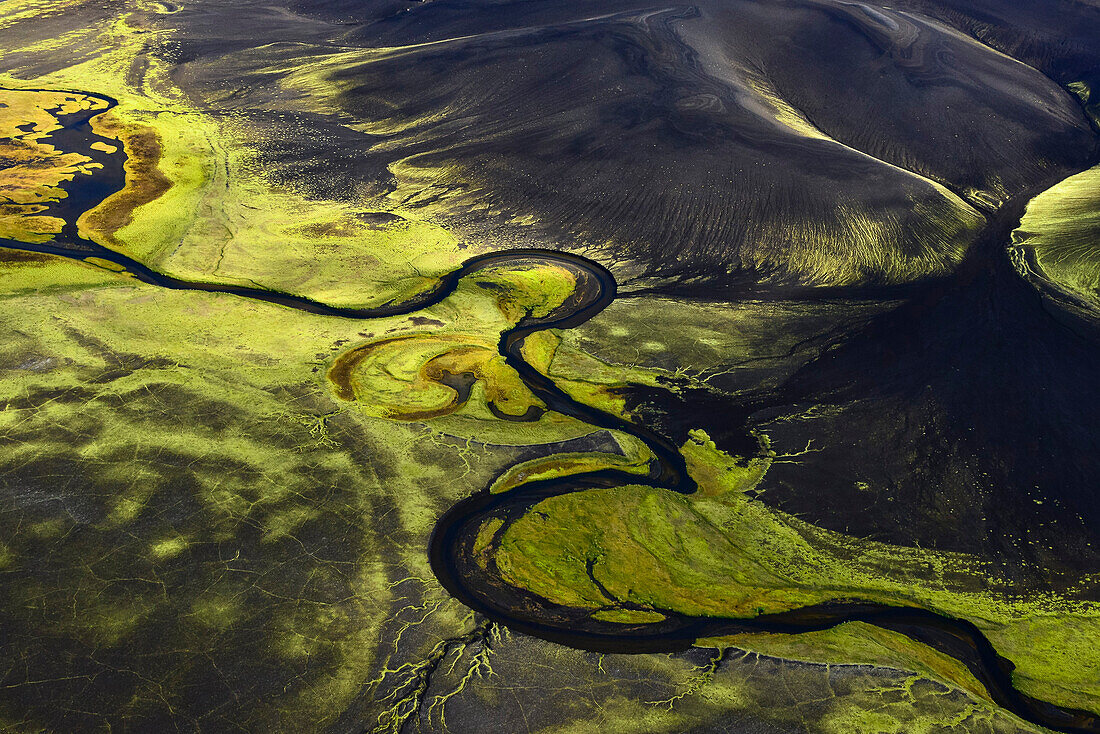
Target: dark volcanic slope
<point>791,141</point>
<point>612,130</point>
<point>928,98</point>
<point>964,421</point>
<point>1058,38</point>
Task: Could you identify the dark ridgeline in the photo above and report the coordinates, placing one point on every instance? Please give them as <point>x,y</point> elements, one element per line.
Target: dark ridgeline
<point>683,135</point>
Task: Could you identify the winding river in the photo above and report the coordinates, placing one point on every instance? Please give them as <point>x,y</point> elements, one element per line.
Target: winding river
<point>452,542</point>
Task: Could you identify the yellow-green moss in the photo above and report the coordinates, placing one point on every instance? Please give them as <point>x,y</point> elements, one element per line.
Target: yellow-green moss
<point>628,616</point>
<point>564,465</point>
<point>189,206</point>
<point>168,547</point>
<point>197,426</point>
<point>231,396</point>
<point>34,169</point>
<point>858,643</point>
<point>399,372</point>
<point>1061,231</point>
<point>719,553</point>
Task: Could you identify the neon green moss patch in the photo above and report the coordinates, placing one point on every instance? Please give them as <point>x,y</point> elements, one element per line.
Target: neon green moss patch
<point>858,643</point>
<point>1058,239</point>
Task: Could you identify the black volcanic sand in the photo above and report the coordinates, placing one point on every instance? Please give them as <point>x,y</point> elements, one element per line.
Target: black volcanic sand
<point>1058,38</point>
<point>685,137</point>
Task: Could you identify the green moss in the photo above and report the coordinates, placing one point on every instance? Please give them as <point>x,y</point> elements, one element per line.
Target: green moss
<point>740,345</point>
<point>195,215</point>
<point>628,616</point>
<point>168,548</point>
<point>536,289</point>
<point>625,717</point>
<point>167,420</point>
<point>719,553</point>
<point>858,643</point>
<point>563,465</point>
<point>284,523</point>
<point>485,535</point>
<point>635,457</point>
<point>860,721</point>
<point>215,612</point>
<point>1055,655</point>
<point>402,373</point>
<point>1060,231</point>
<point>1085,93</point>
<point>34,169</point>
<point>46,274</point>
<point>204,423</point>
<point>49,528</point>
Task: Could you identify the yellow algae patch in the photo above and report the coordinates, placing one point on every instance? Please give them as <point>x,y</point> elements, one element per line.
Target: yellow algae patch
<point>405,378</point>
<point>144,183</point>
<point>628,616</point>
<point>858,643</point>
<point>564,465</point>
<point>1058,240</point>
<point>33,169</point>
